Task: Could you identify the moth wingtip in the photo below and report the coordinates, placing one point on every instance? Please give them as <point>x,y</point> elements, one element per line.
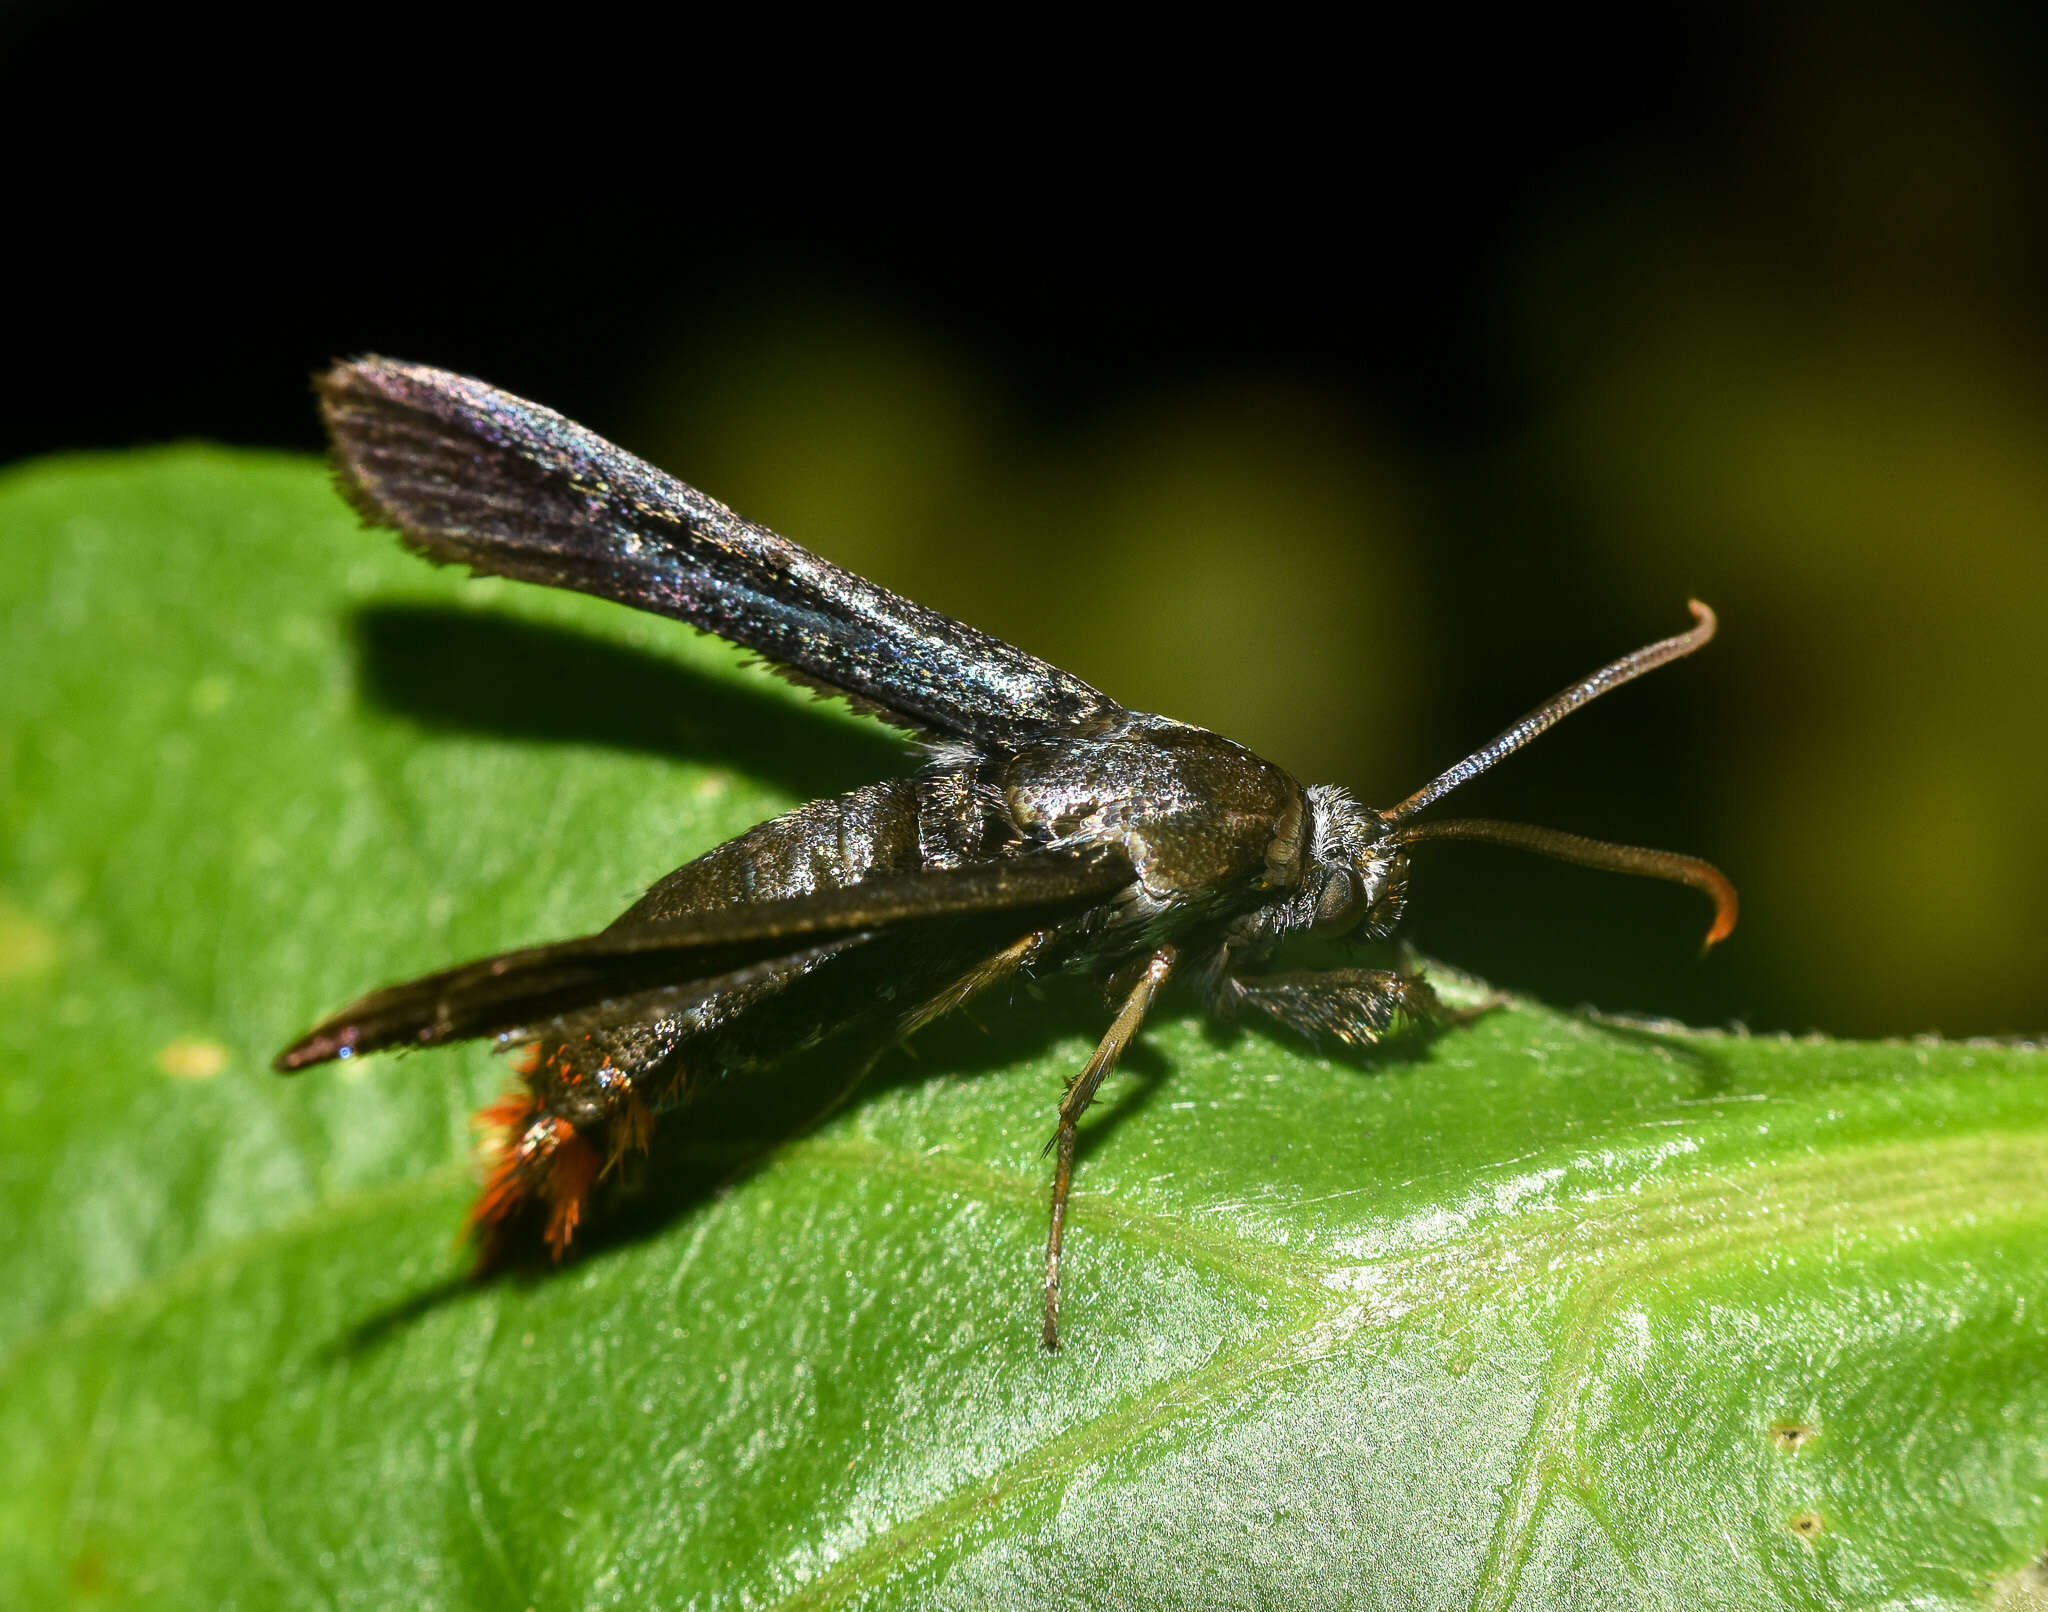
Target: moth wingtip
<point>323,1045</point>
<point>365,379</point>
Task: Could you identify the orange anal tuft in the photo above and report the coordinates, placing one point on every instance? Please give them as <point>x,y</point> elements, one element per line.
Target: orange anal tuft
<point>572,1167</point>
<point>517,1149</point>
<point>532,1154</point>
<point>504,1188</point>
<point>632,1128</point>
<point>505,1121</point>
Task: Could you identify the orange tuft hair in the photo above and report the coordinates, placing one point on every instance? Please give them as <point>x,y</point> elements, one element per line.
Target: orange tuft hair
<point>572,1167</point>
<point>531,1155</point>
<point>504,1125</point>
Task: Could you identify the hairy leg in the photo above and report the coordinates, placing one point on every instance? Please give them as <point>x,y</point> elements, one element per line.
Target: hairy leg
<point>1353,1005</point>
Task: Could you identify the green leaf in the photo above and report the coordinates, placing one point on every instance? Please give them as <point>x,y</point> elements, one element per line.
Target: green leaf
<point>1546,1312</point>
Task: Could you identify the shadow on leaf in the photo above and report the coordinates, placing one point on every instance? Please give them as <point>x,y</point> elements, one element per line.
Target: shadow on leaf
<point>1711,1076</point>
<point>468,672</point>
<point>732,1130</point>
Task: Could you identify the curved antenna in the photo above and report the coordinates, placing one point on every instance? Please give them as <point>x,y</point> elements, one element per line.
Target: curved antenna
<point>1702,876</point>
<point>1554,710</point>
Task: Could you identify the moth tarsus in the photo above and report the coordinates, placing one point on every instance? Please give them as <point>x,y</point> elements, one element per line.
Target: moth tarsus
<point>1049,830</point>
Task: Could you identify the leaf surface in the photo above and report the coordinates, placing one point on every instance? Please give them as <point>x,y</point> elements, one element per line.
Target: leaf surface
<point>1544,1313</point>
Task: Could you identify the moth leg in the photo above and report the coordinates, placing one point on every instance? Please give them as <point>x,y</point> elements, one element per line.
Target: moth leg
<point>1080,1093</point>
<point>1357,1006</point>
<point>992,970</point>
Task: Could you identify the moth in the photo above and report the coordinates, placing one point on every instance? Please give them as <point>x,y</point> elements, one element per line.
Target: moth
<point>1048,829</point>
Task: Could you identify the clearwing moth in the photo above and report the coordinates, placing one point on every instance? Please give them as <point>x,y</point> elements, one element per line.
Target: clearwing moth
<point>1049,828</point>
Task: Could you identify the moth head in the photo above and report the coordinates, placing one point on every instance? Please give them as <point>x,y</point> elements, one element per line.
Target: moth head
<point>1354,877</point>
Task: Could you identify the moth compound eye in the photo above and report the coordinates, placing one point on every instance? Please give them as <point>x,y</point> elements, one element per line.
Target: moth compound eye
<point>1340,903</point>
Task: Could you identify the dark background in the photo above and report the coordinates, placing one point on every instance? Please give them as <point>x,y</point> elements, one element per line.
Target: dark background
<point>1348,395</point>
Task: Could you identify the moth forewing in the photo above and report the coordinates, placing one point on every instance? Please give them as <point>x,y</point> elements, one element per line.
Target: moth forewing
<point>705,952</point>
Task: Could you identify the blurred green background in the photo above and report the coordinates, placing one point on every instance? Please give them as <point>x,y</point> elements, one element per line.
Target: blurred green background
<point>1351,423</point>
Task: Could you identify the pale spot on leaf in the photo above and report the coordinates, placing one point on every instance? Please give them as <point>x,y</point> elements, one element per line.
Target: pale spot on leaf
<point>210,693</point>
<point>27,945</point>
<point>189,1058</point>
<point>2024,1591</point>
<point>1789,1435</point>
